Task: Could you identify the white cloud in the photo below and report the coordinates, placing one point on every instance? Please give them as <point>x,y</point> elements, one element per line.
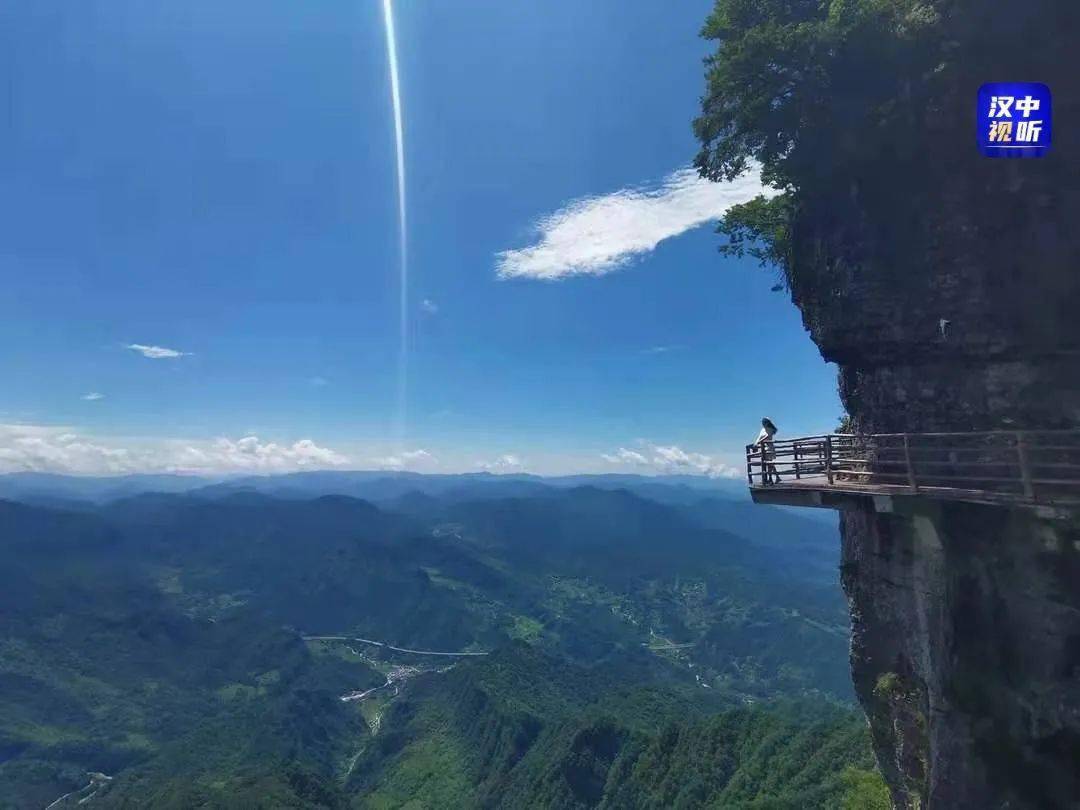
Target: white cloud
<point>250,454</point>
<point>624,456</point>
<point>599,234</point>
<point>318,382</point>
<point>408,458</point>
<point>64,450</point>
<point>671,459</point>
<point>93,396</point>
<point>429,306</point>
<point>155,352</point>
<point>507,462</point>
<point>46,449</point>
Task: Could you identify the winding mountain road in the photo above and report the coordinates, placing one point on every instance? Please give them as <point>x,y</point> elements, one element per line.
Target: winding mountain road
<point>96,779</point>
<point>389,646</point>
<point>361,695</point>
<point>669,646</point>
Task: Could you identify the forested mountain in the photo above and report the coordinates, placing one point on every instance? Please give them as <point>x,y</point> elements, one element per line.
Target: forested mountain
<point>506,732</point>
<point>165,640</point>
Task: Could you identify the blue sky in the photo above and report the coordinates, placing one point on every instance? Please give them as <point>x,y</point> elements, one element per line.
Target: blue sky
<point>218,180</point>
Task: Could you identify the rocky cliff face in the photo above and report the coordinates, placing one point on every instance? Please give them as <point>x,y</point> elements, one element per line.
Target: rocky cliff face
<point>966,653</point>
<point>966,618</point>
<point>946,286</point>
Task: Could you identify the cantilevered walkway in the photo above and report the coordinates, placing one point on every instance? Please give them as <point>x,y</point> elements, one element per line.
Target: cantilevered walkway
<point>1025,468</point>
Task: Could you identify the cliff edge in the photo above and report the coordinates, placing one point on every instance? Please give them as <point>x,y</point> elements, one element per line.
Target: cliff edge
<point>966,618</point>
<point>946,287</point>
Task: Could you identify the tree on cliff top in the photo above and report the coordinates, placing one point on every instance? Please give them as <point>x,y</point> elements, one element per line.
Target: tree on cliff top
<point>855,109</point>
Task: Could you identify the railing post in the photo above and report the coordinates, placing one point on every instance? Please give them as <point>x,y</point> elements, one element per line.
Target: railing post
<point>1025,470</point>
<point>842,458</point>
<point>910,469</point>
<point>828,459</point>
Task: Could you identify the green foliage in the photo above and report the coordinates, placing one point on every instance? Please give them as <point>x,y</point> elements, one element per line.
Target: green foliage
<point>524,730</point>
<point>157,640</point>
<point>864,790</point>
<point>783,756</point>
<point>812,91</point>
<point>887,685</point>
<point>859,113</point>
<point>804,86</point>
<point>760,228</point>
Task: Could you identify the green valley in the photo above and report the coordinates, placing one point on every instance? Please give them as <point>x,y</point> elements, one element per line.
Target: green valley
<point>579,646</point>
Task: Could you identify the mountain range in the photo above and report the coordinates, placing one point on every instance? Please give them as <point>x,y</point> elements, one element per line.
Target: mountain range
<point>203,643</point>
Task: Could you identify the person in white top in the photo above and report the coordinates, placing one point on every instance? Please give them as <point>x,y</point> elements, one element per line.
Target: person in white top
<point>764,441</point>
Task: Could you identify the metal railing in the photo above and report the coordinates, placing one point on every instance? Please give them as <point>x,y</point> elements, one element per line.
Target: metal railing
<point>1038,466</point>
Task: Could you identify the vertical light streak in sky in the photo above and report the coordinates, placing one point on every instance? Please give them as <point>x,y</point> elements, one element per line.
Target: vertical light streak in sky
<point>403,272</point>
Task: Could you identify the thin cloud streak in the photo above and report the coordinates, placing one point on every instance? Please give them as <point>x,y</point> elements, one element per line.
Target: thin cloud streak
<point>156,352</point>
<point>600,234</point>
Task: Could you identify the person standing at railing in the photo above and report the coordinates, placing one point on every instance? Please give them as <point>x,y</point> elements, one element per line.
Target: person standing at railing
<point>764,442</point>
